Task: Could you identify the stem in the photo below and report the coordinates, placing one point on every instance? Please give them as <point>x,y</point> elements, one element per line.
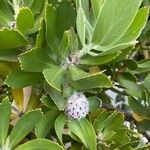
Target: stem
<point>85,50</point>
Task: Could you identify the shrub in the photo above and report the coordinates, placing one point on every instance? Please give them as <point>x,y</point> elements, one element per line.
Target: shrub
<point>74,74</point>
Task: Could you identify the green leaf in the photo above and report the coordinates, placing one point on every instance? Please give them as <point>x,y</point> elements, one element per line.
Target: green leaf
<point>136,27</point>
<point>143,66</point>
<point>110,24</point>
<point>54,76</point>
<point>130,84</point>
<point>41,39</point>
<point>38,58</point>
<point>5,110</point>
<point>84,130</point>
<point>6,16</point>
<point>144,125</point>
<point>9,55</point>
<point>108,123</point>
<point>94,103</point>
<point>42,144</point>
<point>19,79</point>
<point>6,67</point>
<point>131,64</point>
<point>36,6</point>
<point>59,126</point>
<point>138,108</point>
<point>58,20</point>
<point>11,39</point>
<point>122,36</point>
<point>64,45</point>
<point>82,80</point>
<point>25,125</point>
<point>48,102</point>
<point>97,5</point>
<point>45,124</point>
<point>56,96</point>
<point>112,123</point>
<point>147,82</point>
<point>25,20</point>
<point>99,60</point>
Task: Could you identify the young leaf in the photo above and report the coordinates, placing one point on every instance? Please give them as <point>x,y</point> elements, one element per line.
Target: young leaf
<point>42,144</point>
<point>25,20</point>
<point>38,58</point>
<point>25,125</point>
<point>11,39</point>
<point>59,126</point>
<point>54,76</point>
<point>45,124</point>
<point>84,130</point>
<point>5,110</point>
<point>19,79</point>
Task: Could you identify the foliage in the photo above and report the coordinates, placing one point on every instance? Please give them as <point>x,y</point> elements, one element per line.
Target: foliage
<point>52,49</point>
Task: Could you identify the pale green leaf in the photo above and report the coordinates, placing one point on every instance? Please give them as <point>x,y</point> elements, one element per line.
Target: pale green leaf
<point>111,24</point>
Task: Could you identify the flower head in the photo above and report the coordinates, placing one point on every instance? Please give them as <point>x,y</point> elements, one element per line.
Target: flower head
<point>77,106</point>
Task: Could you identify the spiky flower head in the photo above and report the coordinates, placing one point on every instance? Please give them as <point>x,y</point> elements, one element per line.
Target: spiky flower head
<point>77,106</point>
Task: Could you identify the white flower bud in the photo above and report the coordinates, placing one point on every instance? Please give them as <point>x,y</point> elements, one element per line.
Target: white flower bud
<point>77,106</point>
